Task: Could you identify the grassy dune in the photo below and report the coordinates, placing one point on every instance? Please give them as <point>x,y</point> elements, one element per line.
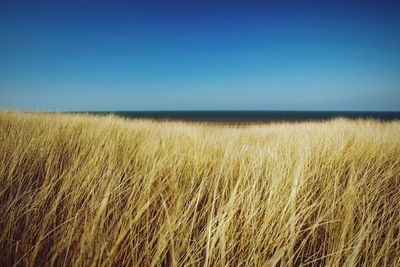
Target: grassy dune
<point>85,190</point>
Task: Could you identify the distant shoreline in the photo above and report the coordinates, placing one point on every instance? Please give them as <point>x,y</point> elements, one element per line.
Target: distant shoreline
<point>245,117</point>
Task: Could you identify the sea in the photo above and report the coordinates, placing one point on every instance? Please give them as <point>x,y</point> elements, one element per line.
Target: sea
<point>252,116</point>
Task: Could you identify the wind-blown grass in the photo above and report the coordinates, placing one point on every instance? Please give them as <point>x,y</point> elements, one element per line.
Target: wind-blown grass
<point>85,190</point>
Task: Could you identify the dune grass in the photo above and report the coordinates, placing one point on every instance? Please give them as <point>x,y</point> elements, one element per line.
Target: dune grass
<point>100,191</point>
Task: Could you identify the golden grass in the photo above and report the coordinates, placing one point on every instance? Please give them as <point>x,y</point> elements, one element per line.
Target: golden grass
<point>85,190</point>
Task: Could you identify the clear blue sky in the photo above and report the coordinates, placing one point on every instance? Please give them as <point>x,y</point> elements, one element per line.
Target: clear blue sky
<point>200,55</point>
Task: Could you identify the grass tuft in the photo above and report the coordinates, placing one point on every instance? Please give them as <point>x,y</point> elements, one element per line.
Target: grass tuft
<point>87,190</point>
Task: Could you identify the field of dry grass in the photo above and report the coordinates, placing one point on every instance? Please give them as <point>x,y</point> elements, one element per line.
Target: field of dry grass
<point>84,190</point>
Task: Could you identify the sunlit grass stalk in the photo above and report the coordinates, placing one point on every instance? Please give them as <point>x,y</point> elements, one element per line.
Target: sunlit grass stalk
<point>99,191</point>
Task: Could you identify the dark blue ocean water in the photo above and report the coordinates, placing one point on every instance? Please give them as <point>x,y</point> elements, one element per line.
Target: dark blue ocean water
<point>253,116</point>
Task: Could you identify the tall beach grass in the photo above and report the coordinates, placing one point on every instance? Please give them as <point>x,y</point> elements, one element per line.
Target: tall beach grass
<point>80,190</point>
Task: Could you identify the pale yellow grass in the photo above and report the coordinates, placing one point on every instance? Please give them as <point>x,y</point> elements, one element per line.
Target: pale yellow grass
<point>100,191</point>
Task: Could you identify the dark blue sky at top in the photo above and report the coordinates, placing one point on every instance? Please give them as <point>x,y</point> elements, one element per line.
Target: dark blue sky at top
<point>200,55</point>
